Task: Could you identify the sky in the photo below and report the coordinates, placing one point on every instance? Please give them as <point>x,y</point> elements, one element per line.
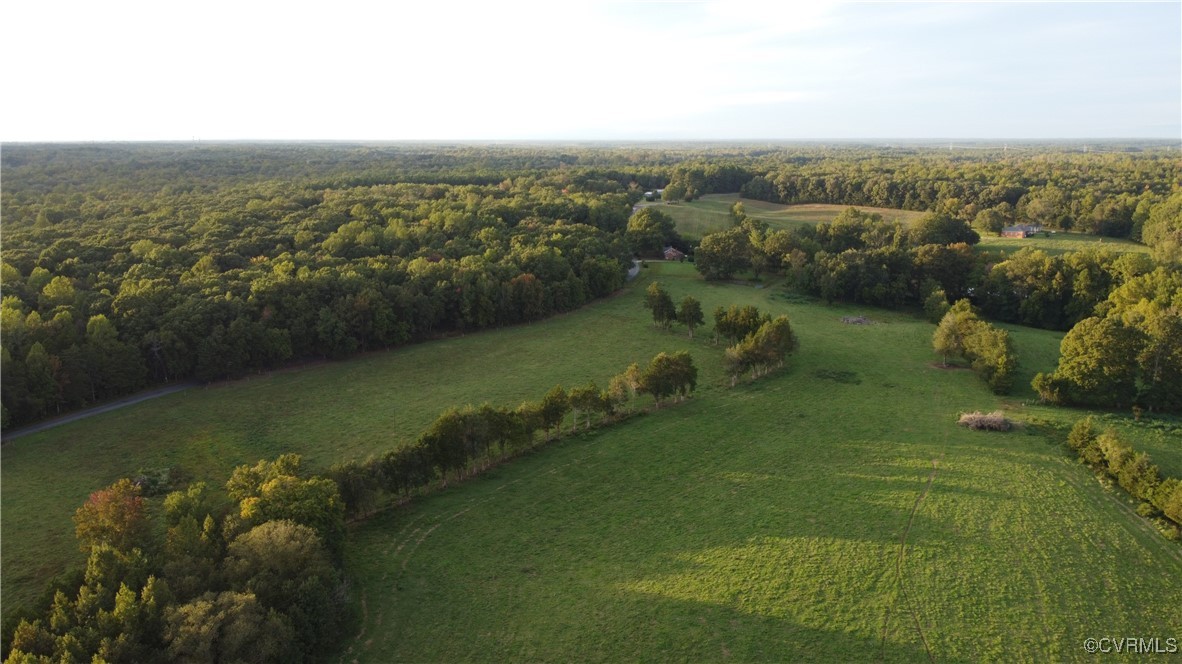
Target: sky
<point>594,70</point>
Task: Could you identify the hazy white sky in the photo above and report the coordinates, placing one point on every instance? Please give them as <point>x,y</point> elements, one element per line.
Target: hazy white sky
<point>252,69</point>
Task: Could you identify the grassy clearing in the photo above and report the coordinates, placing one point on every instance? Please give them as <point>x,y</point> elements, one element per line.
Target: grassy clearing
<point>712,213</point>
<point>809,516</point>
<point>1060,243</point>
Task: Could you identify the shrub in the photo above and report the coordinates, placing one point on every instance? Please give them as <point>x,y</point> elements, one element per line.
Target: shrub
<point>978,421</point>
<point>1082,435</point>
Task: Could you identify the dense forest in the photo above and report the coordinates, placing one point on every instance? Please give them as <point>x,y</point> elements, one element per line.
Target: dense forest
<point>131,265</point>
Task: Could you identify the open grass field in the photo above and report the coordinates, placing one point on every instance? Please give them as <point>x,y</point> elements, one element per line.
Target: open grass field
<point>829,512</point>
<point>328,412</point>
<point>1060,243</point>
<point>711,213</point>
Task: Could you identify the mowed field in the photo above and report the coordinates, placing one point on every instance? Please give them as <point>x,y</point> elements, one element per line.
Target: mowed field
<point>712,213</point>
<point>1060,242</point>
<point>328,412</point>
<point>829,512</point>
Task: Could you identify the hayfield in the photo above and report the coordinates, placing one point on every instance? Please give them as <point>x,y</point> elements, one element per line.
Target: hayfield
<point>829,512</point>
<point>712,213</point>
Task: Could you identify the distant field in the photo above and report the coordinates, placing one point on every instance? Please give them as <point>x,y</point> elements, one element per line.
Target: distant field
<point>711,213</point>
<point>1059,243</point>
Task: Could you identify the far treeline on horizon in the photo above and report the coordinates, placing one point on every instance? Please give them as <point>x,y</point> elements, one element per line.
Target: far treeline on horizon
<point>550,400</point>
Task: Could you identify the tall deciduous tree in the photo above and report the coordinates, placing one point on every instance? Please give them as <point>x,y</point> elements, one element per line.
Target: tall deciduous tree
<point>649,230</point>
<point>272,490</point>
<point>284,564</point>
<point>690,314</point>
<point>584,400</point>
<point>658,301</point>
<point>1097,364</point>
<point>554,407</point>
<point>667,375</point>
<point>115,516</point>
<point>229,627</point>
<point>720,255</point>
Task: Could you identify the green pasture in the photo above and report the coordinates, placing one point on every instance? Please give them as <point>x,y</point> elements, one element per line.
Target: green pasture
<point>1059,242</point>
<point>712,213</point>
<point>829,512</point>
<point>328,412</point>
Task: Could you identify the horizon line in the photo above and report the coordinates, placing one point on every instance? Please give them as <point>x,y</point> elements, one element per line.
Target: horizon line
<point>935,139</point>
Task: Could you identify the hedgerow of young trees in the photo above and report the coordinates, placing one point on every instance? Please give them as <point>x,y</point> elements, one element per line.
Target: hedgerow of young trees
<point>462,442</point>
<point>1134,471</point>
<point>253,573</point>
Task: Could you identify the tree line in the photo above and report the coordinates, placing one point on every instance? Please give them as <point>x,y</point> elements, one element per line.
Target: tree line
<point>253,573</point>
<point>462,442</point>
<point>1134,471</point>
<point>1127,355</point>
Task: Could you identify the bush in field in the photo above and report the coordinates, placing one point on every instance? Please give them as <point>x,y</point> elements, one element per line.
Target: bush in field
<point>760,350</point>
<point>978,421</point>
<point>989,349</point>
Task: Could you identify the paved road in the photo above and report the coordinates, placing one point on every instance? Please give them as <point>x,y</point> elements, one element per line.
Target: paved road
<point>634,270</point>
<point>105,408</point>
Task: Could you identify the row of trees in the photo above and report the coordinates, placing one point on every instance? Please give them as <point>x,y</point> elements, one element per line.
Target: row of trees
<point>464,441</point>
<point>810,253</point>
<point>1105,194</point>
<point>1134,471</point>
<point>658,301</point>
<point>961,332</point>
<point>249,574</point>
<point>1129,355</point>
<point>758,342</point>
